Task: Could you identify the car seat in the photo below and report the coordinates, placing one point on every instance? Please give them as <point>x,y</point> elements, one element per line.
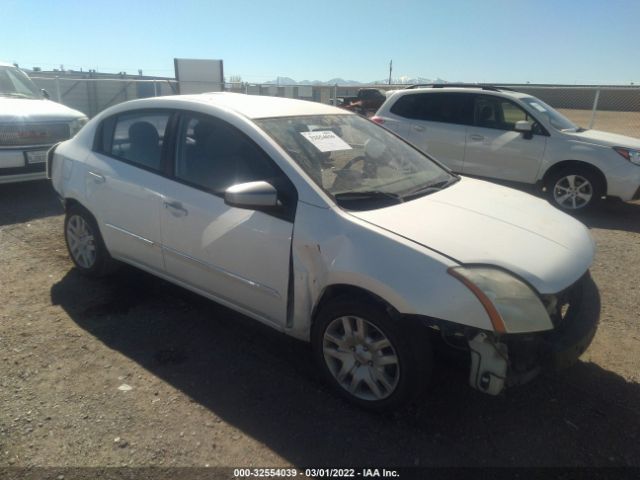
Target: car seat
<point>144,145</point>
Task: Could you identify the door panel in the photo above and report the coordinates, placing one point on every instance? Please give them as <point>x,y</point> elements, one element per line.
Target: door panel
<point>445,141</point>
<point>126,202</point>
<point>437,123</point>
<point>502,154</point>
<point>123,185</point>
<point>495,149</point>
<point>240,256</point>
<point>397,126</point>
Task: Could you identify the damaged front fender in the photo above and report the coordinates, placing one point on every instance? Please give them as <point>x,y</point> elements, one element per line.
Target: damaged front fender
<point>331,247</point>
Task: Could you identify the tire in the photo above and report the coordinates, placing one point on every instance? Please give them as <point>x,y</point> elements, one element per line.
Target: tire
<point>84,243</point>
<point>384,369</point>
<point>574,189</point>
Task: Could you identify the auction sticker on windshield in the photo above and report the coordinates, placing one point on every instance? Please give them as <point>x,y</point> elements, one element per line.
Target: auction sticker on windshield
<point>326,140</point>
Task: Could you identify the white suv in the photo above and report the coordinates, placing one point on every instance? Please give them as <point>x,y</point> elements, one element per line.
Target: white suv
<point>501,134</point>
<point>29,125</point>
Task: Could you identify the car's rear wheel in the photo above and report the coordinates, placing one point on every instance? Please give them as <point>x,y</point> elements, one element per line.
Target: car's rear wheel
<point>367,357</point>
<point>84,243</point>
<point>574,189</point>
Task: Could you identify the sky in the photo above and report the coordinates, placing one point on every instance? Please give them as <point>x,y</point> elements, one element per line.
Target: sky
<point>541,41</point>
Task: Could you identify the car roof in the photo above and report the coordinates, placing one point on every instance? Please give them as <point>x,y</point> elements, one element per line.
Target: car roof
<point>3,64</point>
<point>470,89</point>
<point>250,106</point>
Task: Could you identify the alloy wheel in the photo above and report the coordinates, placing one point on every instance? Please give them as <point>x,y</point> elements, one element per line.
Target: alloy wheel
<point>81,241</point>
<point>361,358</point>
<point>573,192</point>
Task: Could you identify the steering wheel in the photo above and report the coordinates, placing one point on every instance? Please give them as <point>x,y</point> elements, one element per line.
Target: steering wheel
<point>346,177</point>
<point>369,169</point>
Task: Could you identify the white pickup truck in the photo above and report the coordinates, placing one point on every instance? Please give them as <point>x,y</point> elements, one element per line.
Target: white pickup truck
<point>29,125</point>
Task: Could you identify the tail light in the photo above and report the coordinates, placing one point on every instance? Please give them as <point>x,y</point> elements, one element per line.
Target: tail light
<point>378,120</point>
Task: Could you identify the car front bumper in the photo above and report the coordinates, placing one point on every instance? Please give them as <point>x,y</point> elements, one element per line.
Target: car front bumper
<point>14,166</point>
<point>624,182</point>
<point>499,362</point>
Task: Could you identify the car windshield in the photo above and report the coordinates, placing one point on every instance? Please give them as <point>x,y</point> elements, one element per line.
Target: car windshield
<point>555,118</point>
<point>353,159</point>
<point>14,83</point>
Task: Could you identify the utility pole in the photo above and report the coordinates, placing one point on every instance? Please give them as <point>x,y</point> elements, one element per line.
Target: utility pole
<point>390,70</point>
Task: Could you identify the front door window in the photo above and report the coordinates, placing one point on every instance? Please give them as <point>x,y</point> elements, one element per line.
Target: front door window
<point>213,155</point>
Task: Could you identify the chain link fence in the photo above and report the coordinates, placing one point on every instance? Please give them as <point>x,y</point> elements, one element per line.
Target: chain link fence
<point>614,109</point>
<point>92,95</point>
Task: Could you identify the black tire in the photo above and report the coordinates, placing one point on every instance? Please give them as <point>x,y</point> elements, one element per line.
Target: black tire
<point>557,186</point>
<point>101,263</point>
<point>409,343</point>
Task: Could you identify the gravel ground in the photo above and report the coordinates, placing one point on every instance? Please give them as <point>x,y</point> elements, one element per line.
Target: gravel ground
<point>131,370</point>
<point>624,123</point>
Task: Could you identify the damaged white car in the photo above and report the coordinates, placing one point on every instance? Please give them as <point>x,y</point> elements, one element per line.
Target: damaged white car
<point>327,227</point>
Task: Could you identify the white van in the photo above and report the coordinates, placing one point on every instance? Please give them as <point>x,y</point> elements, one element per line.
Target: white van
<point>29,125</point>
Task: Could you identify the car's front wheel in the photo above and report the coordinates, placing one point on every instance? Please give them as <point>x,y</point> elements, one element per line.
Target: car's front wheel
<point>85,244</point>
<point>367,356</point>
<point>574,189</point>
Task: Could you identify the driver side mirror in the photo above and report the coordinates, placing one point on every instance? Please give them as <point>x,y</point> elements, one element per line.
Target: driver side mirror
<point>525,127</point>
<point>252,195</point>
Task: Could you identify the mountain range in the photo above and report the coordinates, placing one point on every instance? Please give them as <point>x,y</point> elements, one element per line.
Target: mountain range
<point>342,81</point>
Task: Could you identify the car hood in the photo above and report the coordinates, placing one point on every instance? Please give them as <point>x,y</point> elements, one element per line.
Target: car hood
<point>34,110</point>
<point>605,138</point>
<point>476,222</point>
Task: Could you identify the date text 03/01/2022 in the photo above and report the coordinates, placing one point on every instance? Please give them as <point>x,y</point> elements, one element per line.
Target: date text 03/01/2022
<point>315,472</point>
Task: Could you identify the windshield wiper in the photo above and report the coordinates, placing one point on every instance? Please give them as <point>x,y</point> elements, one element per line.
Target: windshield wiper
<point>367,195</point>
<point>430,188</point>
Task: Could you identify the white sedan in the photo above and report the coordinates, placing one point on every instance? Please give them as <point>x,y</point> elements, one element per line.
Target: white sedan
<point>325,226</point>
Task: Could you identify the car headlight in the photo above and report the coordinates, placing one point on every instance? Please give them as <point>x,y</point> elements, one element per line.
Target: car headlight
<point>511,304</point>
<point>76,124</point>
<point>629,153</point>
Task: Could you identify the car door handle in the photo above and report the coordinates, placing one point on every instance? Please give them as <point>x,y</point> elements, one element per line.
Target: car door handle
<point>418,128</point>
<point>477,137</point>
<point>176,209</point>
<point>97,178</point>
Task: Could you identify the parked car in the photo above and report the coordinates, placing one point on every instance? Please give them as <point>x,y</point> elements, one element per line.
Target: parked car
<point>501,134</point>
<point>325,226</point>
<point>366,102</point>
<point>29,125</point>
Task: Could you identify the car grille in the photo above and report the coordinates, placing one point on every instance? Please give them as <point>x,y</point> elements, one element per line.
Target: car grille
<point>24,135</point>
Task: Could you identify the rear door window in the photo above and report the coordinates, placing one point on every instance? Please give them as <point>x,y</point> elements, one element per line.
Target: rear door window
<point>138,138</point>
<point>456,108</point>
<point>407,106</point>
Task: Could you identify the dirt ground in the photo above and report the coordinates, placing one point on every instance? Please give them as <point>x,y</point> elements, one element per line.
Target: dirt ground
<point>624,123</point>
<point>211,387</point>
